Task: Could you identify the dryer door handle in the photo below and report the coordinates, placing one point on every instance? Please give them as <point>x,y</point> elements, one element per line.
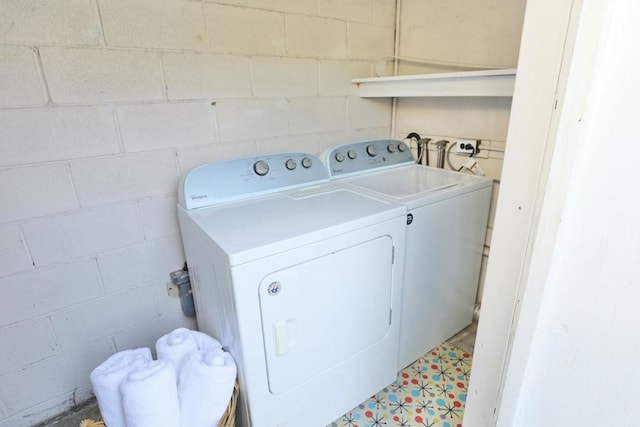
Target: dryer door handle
<point>281,337</point>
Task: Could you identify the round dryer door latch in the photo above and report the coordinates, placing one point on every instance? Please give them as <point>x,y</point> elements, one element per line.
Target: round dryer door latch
<point>274,288</point>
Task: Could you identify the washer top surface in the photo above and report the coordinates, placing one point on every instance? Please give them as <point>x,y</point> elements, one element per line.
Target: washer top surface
<point>409,182</point>
<point>392,173</point>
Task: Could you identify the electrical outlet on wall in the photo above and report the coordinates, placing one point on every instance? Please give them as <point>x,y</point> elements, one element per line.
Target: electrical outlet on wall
<point>467,146</point>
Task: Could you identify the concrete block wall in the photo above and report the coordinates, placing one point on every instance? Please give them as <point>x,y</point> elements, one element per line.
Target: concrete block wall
<point>103,105</point>
<point>485,32</point>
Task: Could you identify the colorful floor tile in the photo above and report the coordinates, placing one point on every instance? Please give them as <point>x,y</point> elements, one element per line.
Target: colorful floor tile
<point>430,392</point>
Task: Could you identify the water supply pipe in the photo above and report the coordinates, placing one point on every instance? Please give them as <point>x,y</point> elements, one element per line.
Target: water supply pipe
<point>441,146</point>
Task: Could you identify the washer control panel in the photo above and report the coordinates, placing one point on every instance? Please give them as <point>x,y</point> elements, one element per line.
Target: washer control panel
<point>365,156</point>
<point>239,178</point>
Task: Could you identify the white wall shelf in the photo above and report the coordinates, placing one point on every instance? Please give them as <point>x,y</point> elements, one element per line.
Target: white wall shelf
<point>465,83</point>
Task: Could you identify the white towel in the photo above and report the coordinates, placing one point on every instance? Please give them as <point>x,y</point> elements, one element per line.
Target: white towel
<point>205,342</point>
<point>174,346</point>
<point>108,376</point>
<point>150,397</point>
<point>205,386</point>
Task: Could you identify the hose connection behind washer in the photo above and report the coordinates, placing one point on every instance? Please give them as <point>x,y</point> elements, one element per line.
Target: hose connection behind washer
<point>422,147</point>
<point>441,146</point>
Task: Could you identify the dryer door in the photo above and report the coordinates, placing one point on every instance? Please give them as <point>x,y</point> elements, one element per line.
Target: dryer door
<point>320,312</point>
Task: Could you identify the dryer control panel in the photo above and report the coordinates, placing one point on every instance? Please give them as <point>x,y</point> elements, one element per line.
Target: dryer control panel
<point>239,178</point>
<point>366,156</point>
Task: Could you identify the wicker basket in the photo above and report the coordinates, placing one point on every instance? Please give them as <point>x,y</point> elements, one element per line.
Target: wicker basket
<point>229,417</point>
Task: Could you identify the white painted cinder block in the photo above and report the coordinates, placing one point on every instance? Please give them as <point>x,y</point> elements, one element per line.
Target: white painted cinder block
<point>284,77</point>
<point>59,133</point>
<point>473,118</point>
<point>305,7</point>
<point>126,177</point>
<point>384,13</point>
<point>82,234</point>
<point>61,22</point>
<point>241,120</point>
<point>154,24</point>
<point>191,158</point>
<point>335,77</point>
<point>305,143</point>
<point>168,125</point>
<point>349,10</point>
<point>367,113</point>
<point>102,75</point>
<point>244,31</point>
<point>45,290</point>
<point>206,76</point>
<point>104,317</point>
<point>370,41</point>
<point>33,191</point>
<point>159,217</point>
<point>14,257</point>
<point>20,84</point>
<point>313,37</point>
<point>313,115</point>
<point>144,263</point>
<point>50,379</point>
<point>25,343</point>
<point>330,139</point>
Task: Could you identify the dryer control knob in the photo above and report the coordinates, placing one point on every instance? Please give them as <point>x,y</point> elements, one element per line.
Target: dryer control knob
<point>402,147</point>
<point>339,157</point>
<point>290,164</point>
<point>261,167</point>
<point>306,162</point>
<point>372,150</point>
<point>352,154</point>
<point>392,148</point>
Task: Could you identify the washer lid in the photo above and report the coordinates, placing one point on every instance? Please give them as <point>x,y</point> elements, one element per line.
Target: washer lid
<point>261,226</point>
<point>415,182</point>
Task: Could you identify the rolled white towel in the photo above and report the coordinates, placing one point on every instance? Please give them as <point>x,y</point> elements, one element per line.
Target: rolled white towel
<point>205,386</point>
<point>175,345</point>
<point>150,397</point>
<point>205,342</point>
<point>108,376</point>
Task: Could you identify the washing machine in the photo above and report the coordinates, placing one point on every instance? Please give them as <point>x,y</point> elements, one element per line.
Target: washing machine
<point>300,280</point>
<point>446,225</point>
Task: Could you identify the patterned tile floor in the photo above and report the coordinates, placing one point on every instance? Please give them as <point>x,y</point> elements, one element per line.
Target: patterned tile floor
<point>430,392</point>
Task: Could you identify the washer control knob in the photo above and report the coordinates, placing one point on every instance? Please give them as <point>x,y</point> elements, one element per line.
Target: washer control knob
<point>306,162</point>
<point>392,148</point>
<point>372,150</point>
<point>339,157</point>
<point>402,147</point>
<point>290,164</point>
<point>261,167</point>
<point>352,154</point>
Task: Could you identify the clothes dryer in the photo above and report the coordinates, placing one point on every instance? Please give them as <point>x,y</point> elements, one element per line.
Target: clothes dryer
<point>446,225</point>
<point>300,279</point>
